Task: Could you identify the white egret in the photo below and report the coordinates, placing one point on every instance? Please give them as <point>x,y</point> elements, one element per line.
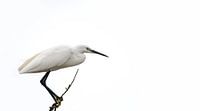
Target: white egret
<point>53,59</point>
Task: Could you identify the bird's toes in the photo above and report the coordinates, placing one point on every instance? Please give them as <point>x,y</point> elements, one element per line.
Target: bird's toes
<point>59,100</point>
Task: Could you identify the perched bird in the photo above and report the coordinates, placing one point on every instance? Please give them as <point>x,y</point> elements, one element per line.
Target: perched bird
<point>53,59</point>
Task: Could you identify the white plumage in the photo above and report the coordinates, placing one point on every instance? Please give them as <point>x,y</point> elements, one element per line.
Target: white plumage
<point>56,58</point>
<point>53,59</point>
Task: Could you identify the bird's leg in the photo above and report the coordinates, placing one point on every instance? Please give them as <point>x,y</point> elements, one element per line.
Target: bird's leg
<point>56,98</point>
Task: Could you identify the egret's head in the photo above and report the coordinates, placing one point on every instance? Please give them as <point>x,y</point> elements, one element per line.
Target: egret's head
<point>86,49</point>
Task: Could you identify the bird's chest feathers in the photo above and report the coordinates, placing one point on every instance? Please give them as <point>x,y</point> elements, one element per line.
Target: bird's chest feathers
<point>75,59</point>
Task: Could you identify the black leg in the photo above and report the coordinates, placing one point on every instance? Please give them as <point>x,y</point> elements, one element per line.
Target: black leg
<point>43,82</point>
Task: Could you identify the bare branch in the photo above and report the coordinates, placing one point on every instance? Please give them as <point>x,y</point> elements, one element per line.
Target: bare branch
<point>58,101</point>
<point>70,83</point>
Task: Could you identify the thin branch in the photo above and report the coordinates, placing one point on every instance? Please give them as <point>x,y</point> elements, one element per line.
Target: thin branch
<point>70,83</point>
<point>58,102</point>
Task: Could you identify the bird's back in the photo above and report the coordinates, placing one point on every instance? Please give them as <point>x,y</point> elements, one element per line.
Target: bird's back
<point>50,59</point>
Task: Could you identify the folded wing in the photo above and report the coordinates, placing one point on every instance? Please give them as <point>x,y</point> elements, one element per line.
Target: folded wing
<point>47,60</point>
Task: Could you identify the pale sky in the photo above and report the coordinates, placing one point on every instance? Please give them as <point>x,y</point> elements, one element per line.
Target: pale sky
<point>154,49</point>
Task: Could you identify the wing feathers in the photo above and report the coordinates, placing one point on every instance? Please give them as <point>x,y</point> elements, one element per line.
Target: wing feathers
<point>50,59</point>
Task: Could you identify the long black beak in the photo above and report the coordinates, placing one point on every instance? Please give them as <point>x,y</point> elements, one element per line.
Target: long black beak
<point>93,51</point>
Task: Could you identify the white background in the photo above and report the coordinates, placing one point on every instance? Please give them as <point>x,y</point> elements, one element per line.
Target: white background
<point>153,45</point>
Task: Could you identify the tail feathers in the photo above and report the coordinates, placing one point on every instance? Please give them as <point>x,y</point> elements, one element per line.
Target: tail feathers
<point>21,69</point>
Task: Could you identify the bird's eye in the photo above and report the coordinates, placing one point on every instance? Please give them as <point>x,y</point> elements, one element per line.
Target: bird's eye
<point>87,48</point>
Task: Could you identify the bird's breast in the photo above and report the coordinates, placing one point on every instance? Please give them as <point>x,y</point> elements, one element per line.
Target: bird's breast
<point>75,59</point>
